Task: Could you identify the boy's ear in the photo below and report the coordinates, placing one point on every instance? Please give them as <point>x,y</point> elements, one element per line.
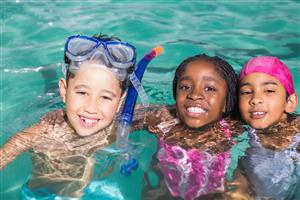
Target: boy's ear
<point>63,89</point>
<point>292,103</point>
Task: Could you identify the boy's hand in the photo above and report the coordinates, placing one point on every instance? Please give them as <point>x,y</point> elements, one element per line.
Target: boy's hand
<point>55,117</point>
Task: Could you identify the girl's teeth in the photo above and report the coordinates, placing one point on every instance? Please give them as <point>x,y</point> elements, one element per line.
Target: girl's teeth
<point>195,110</point>
<point>258,113</point>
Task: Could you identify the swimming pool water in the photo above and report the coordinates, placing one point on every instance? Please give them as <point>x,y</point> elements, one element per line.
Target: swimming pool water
<point>33,35</point>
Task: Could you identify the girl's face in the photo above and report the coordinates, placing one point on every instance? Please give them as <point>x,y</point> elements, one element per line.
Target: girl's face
<point>92,99</point>
<point>262,100</point>
<point>200,94</point>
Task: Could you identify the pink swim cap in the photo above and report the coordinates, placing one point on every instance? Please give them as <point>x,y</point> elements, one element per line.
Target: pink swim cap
<point>272,66</point>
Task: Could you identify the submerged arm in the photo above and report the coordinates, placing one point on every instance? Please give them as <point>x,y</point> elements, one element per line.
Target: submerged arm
<point>17,144</point>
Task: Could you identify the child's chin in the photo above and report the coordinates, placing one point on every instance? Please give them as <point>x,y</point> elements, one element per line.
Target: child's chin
<point>258,126</point>
<point>84,133</point>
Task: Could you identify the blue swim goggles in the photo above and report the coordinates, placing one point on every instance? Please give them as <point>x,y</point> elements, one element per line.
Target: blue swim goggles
<point>114,54</point>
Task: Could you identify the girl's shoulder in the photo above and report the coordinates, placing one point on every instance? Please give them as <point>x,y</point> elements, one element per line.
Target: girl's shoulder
<point>161,120</point>
<point>215,138</point>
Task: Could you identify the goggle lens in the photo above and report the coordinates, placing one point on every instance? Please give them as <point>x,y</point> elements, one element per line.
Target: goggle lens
<point>121,53</point>
<point>80,46</point>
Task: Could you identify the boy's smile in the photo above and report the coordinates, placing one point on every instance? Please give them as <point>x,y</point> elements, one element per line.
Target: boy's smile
<point>92,98</point>
<point>201,94</point>
<point>88,121</point>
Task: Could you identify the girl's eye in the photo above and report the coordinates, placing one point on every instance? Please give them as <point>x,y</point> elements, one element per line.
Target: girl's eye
<point>184,87</point>
<point>269,91</point>
<point>245,92</point>
<point>210,89</point>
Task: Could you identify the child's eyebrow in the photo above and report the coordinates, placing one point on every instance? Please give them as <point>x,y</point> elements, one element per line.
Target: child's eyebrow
<point>206,78</point>
<point>81,86</point>
<point>102,91</point>
<point>264,83</point>
<point>270,83</point>
<point>184,78</point>
<point>209,78</point>
<point>245,84</point>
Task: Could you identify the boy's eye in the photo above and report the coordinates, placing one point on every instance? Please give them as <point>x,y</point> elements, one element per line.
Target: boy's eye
<point>107,98</point>
<point>81,92</point>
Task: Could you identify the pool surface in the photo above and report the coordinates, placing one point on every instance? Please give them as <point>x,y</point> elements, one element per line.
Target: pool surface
<point>33,36</point>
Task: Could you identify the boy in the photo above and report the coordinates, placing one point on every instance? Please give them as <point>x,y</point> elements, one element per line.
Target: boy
<point>97,71</point>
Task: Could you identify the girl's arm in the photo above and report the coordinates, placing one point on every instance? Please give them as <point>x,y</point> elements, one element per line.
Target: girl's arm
<point>148,118</point>
<point>17,144</point>
<point>141,114</point>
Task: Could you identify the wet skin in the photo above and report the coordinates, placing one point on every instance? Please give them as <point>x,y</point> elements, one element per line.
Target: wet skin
<point>201,94</point>
<point>262,100</point>
<point>91,104</point>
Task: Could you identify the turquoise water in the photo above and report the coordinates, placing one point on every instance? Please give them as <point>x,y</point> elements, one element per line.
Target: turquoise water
<point>33,35</point>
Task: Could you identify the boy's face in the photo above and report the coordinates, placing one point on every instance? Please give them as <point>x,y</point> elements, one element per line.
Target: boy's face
<point>201,94</point>
<point>92,99</point>
<point>262,100</point>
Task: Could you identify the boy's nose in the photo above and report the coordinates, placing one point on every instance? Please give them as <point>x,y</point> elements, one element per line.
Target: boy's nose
<point>91,106</point>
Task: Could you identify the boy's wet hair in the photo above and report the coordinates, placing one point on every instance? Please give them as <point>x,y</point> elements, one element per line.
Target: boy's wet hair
<point>223,68</point>
<point>105,38</point>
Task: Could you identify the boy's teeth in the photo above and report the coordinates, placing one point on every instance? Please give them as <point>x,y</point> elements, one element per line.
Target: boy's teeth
<point>195,110</point>
<point>89,121</point>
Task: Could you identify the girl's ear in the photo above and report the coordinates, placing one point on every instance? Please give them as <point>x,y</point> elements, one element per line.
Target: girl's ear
<point>63,89</point>
<point>224,107</point>
<point>292,103</point>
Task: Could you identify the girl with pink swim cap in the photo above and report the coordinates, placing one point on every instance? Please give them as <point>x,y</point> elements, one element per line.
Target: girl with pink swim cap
<point>199,146</point>
<point>267,100</point>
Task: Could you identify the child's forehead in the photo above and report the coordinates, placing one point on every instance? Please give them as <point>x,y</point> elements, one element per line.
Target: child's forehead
<point>94,74</point>
<point>99,69</point>
<point>259,79</point>
<point>201,67</point>
<point>90,65</point>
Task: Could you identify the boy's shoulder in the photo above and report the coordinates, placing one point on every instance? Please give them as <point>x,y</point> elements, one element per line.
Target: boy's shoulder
<point>56,117</point>
<point>55,122</point>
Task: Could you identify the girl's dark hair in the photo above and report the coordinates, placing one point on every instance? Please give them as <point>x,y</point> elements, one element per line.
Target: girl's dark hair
<point>105,38</point>
<point>223,68</point>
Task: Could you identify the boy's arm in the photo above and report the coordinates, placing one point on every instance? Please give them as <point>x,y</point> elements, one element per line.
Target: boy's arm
<point>17,144</point>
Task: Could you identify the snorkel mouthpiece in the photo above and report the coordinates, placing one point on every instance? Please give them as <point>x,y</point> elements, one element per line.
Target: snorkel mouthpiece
<point>129,162</point>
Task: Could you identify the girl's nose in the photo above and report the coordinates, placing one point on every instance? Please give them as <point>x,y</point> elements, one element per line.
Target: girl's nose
<point>195,95</point>
<point>256,99</point>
